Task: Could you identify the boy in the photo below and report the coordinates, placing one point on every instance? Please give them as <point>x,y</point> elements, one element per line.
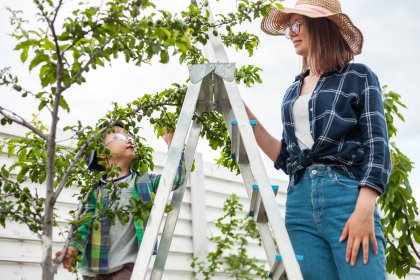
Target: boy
<point>109,250</point>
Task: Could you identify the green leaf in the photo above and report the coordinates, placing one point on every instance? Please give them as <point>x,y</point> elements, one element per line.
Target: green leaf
<point>64,105</point>
<point>24,54</point>
<point>164,57</point>
<point>182,46</point>
<point>39,58</point>
<point>279,6</point>
<point>41,105</point>
<point>143,168</point>
<point>416,235</point>
<point>155,48</point>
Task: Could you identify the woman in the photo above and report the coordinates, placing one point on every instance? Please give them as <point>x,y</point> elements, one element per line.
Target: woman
<point>334,145</point>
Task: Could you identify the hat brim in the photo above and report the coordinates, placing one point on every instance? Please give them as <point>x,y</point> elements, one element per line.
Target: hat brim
<point>277,21</point>
<point>93,162</point>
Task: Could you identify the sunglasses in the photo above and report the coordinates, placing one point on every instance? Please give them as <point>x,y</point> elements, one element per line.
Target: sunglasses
<point>294,28</point>
<point>120,137</point>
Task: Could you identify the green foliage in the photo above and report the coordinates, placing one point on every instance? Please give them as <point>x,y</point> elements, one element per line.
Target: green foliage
<point>401,229</point>
<point>230,255</point>
<point>249,74</point>
<point>61,53</point>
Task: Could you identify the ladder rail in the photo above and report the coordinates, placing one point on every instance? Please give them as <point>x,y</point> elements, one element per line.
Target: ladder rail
<point>214,49</point>
<point>249,179</point>
<point>264,228</point>
<point>260,174</point>
<point>172,217</point>
<point>168,175</point>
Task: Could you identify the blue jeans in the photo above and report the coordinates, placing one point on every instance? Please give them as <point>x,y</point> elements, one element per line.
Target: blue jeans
<point>317,208</point>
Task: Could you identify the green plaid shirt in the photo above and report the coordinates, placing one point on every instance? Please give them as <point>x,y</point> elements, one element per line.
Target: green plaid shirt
<point>92,238</point>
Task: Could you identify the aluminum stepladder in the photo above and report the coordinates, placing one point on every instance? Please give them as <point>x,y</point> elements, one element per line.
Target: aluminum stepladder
<point>213,87</point>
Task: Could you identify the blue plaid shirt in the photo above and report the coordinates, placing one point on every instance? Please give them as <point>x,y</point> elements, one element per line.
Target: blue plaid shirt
<point>347,124</point>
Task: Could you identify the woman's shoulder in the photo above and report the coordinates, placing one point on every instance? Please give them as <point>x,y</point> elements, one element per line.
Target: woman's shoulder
<point>360,68</point>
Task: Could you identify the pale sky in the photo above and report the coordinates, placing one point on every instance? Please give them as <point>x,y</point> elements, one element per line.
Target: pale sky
<point>392,42</point>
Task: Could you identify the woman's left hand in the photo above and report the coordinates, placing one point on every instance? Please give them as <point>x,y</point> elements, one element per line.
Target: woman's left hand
<point>360,227</point>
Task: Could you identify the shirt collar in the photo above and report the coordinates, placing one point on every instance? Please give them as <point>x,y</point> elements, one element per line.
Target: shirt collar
<point>301,76</point>
<point>104,180</point>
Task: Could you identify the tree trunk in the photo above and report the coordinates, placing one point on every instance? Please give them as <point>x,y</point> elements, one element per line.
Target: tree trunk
<point>46,244</point>
<point>47,271</point>
<point>50,199</point>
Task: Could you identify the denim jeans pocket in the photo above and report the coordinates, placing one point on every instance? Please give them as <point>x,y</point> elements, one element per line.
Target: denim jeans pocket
<point>345,181</point>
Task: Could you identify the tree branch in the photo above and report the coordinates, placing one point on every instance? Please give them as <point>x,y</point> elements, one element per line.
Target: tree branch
<point>63,180</point>
<point>19,120</point>
<point>411,241</point>
<point>77,39</point>
<point>59,260</point>
<point>36,216</point>
<point>413,265</point>
<point>84,68</point>
<point>56,11</point>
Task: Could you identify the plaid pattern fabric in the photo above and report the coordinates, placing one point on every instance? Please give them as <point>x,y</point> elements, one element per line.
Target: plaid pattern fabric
<point>347,124</point>
<point>92,238</point>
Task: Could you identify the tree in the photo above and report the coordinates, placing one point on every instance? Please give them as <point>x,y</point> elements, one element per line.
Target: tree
<point>62,53</point>
<point>401,229</point>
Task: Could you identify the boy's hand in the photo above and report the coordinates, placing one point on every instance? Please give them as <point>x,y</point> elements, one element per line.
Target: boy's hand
<point>68,258</point>
<point>167,136</point>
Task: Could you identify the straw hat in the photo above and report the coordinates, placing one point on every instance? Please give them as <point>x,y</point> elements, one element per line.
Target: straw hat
<point>277,20</point>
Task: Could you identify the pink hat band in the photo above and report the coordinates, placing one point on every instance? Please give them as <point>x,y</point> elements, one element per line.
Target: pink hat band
<point>312,8</point>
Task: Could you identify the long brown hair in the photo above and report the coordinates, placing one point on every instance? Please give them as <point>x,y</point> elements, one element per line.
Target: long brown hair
<point>327,48</point>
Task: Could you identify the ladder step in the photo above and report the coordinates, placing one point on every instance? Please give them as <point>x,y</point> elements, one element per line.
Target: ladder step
<point>256,199</point>
<point>277,270</point>
<point>237,148</point>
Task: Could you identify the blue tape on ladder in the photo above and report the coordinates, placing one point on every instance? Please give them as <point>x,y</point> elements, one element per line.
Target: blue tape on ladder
<point>251,122</point>
<point>298,257</point>
<point>233,156</point>
<point>251,213</point>
<point>274,187</point>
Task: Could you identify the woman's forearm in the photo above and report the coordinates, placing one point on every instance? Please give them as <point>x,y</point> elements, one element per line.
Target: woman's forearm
<point>270,145</point>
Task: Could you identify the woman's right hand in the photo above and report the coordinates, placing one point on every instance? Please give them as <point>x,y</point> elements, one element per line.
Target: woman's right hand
<point>68,258</point>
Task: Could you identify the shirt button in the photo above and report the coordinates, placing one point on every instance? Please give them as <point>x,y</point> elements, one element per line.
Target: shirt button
<point>314,172</point>
<point>311,109</point>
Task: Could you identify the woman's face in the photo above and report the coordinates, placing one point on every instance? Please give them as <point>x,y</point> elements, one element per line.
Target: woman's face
<point>298,34</point>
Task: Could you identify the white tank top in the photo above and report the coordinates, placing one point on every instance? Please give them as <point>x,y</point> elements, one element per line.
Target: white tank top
<point>301,119</point>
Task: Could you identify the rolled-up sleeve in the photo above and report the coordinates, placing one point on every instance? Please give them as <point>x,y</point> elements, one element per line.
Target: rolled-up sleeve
<point>374,135</point>
<point>280,162</point>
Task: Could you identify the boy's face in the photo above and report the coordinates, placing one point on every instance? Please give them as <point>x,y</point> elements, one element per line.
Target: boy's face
<point>120,144</point>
